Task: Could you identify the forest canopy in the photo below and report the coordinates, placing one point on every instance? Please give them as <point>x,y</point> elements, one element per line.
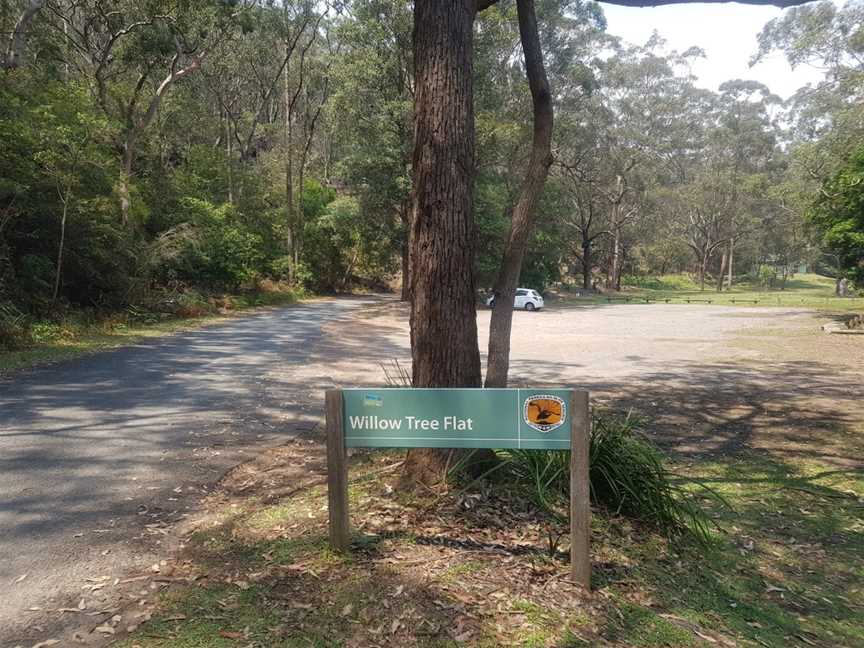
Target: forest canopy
<point>151,148</point>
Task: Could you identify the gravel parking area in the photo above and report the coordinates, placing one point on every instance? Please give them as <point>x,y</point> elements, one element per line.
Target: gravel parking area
<point>710,378</point>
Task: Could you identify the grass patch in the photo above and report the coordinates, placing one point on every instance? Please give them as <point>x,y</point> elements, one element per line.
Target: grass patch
<point>803,290</point>
<point>640,626</point>
<point>787,570</point>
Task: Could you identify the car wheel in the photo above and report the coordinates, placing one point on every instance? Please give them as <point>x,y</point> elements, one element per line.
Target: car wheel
<point>529,306</point>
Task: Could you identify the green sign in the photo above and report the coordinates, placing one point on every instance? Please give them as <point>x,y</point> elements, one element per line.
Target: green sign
<point>457,418</point>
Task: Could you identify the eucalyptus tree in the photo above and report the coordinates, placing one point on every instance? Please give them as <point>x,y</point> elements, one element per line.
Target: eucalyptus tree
<point>827,119</point>
<point>69,141</point>
<point>839,215</point>
<point>306,89</point>
<point>648,133</point>
<point>742,145</point>
<point>132,54</point>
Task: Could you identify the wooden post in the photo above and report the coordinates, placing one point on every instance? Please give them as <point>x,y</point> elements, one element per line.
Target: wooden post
<point>337,473</point>
<point>580,505</point>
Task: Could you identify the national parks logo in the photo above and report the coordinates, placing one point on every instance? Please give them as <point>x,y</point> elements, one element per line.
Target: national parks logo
<point>544,412</point>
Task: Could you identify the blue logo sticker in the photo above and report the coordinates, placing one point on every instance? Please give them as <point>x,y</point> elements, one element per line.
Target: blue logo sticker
<point>373,400</point>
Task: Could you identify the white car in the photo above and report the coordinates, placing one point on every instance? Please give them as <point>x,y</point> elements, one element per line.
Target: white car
<point>526,298</point>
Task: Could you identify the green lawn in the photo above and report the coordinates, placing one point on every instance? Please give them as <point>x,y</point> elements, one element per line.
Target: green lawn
<point>807,290</point>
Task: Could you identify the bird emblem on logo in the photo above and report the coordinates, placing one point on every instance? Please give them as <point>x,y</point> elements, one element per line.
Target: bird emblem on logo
<point>544,412</point>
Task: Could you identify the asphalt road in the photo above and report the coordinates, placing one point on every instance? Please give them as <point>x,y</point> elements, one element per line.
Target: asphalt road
<point>98,454</point>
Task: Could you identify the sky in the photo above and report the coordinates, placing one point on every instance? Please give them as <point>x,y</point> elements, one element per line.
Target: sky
<point>727,33</point>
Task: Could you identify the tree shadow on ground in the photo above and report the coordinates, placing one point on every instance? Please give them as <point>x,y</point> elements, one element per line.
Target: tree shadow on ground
<point>102,453</point>
<point>805,410</point>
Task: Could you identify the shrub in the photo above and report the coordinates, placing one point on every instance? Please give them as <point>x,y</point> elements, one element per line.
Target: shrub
<point>192,304</point>
<point>210,245</point>
<point>15,331</point>
<point>766,275</point>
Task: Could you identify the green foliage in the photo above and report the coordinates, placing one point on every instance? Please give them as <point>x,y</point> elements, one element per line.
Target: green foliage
<point>642,154</point>
<point>211,246</point>
<point>59,153</point>
<point>839,216</point>
<point>343,241</point>
<point>492,204</point>
<point>627,475</point>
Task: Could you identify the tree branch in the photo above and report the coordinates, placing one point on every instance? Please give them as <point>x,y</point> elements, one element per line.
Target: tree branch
<point>173,76</point>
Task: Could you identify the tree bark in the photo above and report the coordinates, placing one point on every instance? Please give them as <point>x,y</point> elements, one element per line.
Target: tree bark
<point>126,176</point>
<point>613,280</point>
<point>289,173</point>
<point>524,214</point>
<point>133,128</point>
<point>444,347</point>
<point>229,152</point>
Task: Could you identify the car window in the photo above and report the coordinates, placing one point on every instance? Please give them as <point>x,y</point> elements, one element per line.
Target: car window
<point>521,293</point>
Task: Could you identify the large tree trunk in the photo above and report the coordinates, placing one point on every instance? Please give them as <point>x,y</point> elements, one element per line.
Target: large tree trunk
<point>444,347</point>
<point>722,274</point>
<point>524,214</point>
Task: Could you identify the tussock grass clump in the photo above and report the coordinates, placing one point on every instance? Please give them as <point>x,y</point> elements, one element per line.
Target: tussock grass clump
<point>627,474</point>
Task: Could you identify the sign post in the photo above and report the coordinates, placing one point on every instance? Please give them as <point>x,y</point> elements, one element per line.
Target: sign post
<point>580,504</point>
<point>337,473</point>
<point>545,419</point>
